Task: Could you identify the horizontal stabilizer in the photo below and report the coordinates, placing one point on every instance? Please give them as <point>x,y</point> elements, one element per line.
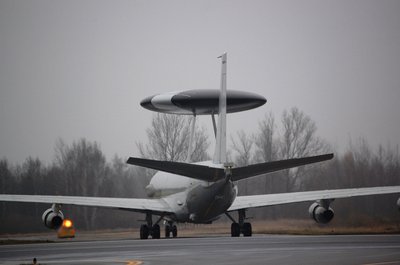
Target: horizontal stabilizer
<point>268,167</point>
<point>188,170</point>
<point>207,173</point>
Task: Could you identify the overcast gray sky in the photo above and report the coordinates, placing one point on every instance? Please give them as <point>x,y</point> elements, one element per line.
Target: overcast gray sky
<point>73,69</point>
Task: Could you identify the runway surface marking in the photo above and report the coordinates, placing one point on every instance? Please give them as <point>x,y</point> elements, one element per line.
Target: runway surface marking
<point>134,262</point>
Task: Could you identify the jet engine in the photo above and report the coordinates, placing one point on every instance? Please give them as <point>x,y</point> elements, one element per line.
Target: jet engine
<point>321,214</point>
<point>52,219</point>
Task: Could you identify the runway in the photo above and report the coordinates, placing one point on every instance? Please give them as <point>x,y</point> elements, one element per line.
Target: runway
<point>260,249</point>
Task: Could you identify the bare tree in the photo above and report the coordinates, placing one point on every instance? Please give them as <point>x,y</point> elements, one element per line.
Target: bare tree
<point>299,135</point>
<point>168,139</point>
<point>299,139</point>
<point>201,145</point>
<point>84,168</point>
<point>242,152</point>
<point>32,175</point>
<point>7,184</point>
<point>265,144</point>
<point>242,148</point>
<point>266,150</point>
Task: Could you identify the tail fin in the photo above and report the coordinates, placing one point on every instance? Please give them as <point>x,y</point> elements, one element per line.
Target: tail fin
<point>220,145</point>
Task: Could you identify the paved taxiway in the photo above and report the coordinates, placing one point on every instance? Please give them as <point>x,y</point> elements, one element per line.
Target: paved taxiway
<point>260,249</point>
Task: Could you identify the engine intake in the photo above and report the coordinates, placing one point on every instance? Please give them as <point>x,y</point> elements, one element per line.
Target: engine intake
<point>52,219</point>
<point>320,214</point>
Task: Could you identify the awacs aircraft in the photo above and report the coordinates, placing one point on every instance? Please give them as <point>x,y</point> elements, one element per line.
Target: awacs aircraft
<point>202,192</point>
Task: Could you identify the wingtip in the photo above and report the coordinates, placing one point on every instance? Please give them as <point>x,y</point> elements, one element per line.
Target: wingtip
<point>130,160</point>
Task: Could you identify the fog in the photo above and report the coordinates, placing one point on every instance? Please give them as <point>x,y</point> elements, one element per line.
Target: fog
<point>80,68</point>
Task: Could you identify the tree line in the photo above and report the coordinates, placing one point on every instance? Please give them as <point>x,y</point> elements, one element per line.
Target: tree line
<point>81,169</point>
<point>295,135</point>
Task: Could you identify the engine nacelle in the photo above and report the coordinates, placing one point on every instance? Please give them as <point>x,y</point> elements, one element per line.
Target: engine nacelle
<point>52,219</point>
<point>320,214</point>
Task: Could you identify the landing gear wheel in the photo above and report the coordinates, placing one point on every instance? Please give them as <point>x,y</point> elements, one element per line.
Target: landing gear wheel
<point>156,232</point>
<point>247,230</point>
<point>144,232</point>
<point>174,231</point>
<point>235,230</point>
<point>167,231</point>
<point>171,229</point>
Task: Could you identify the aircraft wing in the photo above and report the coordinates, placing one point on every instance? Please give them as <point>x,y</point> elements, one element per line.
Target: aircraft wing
<point>253,201</point>
<point>137,205</point>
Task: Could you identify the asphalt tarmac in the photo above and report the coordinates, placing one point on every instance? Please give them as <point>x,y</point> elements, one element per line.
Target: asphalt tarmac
<point>259,249</point>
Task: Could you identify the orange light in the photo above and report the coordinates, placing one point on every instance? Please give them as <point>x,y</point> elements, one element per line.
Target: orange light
<point>67,229</point>
<point>67,223</point>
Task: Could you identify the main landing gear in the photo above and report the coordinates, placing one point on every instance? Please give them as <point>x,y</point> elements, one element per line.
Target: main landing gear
<point>170,228</point>
<point>149,229</point>
<point>146,231</point>
<point>240,227</point>
<point>153,230</point>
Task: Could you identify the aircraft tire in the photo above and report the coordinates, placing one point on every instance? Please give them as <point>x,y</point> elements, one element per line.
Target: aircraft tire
<point>247,230</point>
<point>144,232</point>
<point>167,231</point>
<point>174,231</point>
<point>235,230</point>
<point>156,232</point>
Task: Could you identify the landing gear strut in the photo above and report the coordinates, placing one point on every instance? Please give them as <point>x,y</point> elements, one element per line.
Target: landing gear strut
<point>240,227</point>
<point>149,229</point>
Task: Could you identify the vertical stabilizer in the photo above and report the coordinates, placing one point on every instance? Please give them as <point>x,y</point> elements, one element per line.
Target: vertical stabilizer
<point>220,146</point>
